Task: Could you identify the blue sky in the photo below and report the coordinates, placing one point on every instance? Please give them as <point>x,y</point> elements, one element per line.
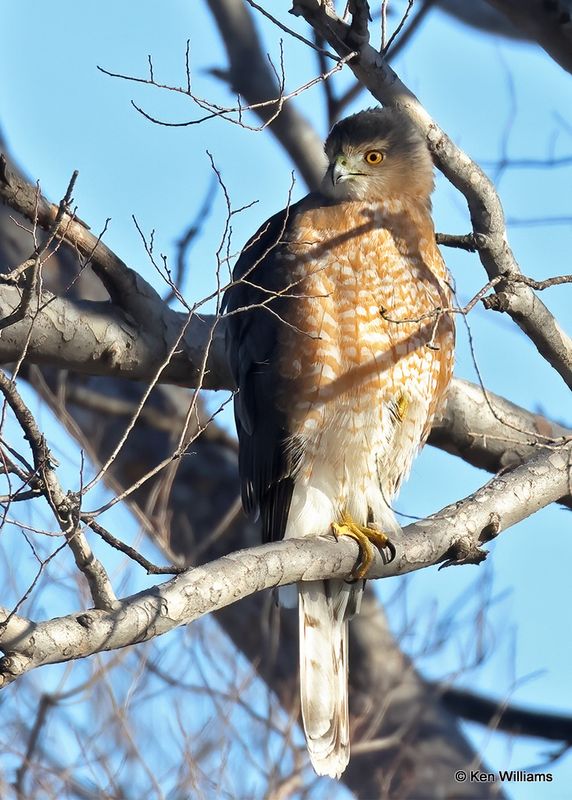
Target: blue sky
<point>495,99</point>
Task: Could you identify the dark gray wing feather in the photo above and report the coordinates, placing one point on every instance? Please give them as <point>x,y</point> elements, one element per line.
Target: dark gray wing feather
<point>268,453</point>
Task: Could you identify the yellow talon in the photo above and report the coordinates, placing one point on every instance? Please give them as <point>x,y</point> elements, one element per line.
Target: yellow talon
<point>366,538</point>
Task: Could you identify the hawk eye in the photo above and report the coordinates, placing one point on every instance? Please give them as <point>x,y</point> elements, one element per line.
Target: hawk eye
<point>373,157</point>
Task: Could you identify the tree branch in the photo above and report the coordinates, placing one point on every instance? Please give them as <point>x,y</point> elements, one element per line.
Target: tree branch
<point>507,717</point>
<point>452,536</point>
<point>490,432</point>
<point>99,338</point>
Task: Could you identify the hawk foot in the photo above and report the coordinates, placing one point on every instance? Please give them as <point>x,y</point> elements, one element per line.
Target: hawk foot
<point>366,539</point>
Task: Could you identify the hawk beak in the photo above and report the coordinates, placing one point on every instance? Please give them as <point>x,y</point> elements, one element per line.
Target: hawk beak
<point>339,170</point>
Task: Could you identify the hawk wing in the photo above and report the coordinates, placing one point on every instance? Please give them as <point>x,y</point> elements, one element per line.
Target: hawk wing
<point>268,453</point>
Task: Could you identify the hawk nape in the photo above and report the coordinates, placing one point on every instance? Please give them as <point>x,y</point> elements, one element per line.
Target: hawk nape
<point>342,356</point>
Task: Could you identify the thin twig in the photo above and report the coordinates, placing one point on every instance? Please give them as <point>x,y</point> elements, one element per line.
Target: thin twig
<point>397,31</point>
<point>291,32</point>
<point>135,555</point>
<point>234,114</point>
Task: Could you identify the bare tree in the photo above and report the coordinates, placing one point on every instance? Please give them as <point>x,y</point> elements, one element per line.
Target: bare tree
<point>122,371</point>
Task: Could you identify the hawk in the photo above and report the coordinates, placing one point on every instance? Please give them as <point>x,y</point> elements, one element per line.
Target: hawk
<point>341,346</point>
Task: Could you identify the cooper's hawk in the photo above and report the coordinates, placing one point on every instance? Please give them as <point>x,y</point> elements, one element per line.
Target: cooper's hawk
<point>341,355</point>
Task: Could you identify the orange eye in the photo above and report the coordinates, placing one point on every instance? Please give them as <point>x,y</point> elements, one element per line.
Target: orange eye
<point>373,157</point>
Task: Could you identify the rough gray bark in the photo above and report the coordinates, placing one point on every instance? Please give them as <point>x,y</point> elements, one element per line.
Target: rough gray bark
<point>490,432</point>
<point>96,337</point>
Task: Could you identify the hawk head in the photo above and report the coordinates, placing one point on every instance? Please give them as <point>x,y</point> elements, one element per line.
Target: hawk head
<point>376,154</point>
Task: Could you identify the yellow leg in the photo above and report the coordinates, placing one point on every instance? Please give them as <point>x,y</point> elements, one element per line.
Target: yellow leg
<point>366,538</point>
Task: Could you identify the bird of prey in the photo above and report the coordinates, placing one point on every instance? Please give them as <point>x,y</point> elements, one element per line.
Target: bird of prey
<point>341,344</point>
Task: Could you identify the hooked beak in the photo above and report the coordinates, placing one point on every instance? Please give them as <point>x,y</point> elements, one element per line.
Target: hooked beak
<point>339,180</point>
<point>343,169</point>
<point>340,170</point>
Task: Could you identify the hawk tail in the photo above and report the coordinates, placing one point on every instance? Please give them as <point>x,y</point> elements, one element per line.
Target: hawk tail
<point>324,608</point>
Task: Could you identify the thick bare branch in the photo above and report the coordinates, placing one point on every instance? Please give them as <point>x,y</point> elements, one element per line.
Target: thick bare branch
<point>99,338</point>
<point>490,432</point>
<point>453,536</point>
